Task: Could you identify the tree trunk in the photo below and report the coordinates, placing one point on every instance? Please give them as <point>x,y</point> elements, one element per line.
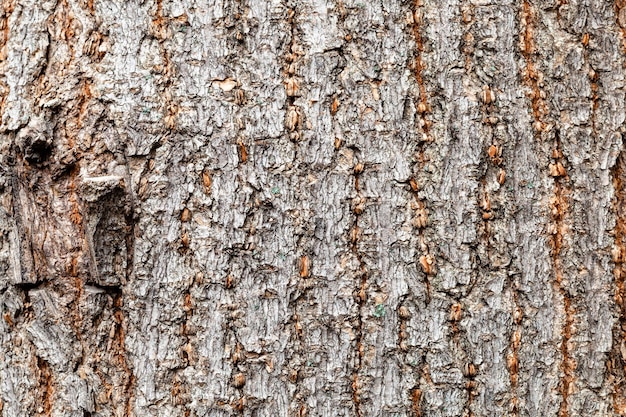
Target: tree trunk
<point>312,208</point>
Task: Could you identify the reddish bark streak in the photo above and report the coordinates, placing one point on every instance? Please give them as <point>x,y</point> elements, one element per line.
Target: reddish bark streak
<point>416,396</point>
<point>427,260</point>
<point>423,106</point>
<point>7,10</point>
<point>558,206</point>
<point>361,298</point>
<point>616,362</point>
<point>619,7</point>
<point>617,366</point>
<point>46,382</point>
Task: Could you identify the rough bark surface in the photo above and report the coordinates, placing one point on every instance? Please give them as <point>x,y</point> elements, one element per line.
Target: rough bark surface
<point>312,208</point>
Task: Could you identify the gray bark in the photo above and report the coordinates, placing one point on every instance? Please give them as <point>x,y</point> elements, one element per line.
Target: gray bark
<point>312,208</point>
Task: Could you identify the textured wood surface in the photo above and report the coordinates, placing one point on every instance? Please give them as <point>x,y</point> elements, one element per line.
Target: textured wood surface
<point>312,208</point>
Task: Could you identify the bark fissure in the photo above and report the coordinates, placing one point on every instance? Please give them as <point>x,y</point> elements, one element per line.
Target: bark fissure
<point>423,107</point>
<point>489,118</point>
<point>7,10</point>
<point>293,57</point>
<point>559,207</point>
<point>617,364</point>
<point>46,384</point>
<point>420,221</point>
<point>160,31</point>
<point>592,76</point>
<point>513,356</point>
<point>559,202</point>
<point>119,337</point>
<point>416,397</point>
<point>361,291</point>
<point>620,16</point>
<point>469,369</point>
<point>293,114</point>
<point>617,357</point>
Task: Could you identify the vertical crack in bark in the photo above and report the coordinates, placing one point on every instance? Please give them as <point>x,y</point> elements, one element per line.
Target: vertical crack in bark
<point>6,9</point>
<point>620,16</point>
<point>46,384</point>
<point>180,390</point>
<point>592,75</point>
<point>617,362</point>
<point>188,307</point>
<point>238,358</point>
<point>119,348</point>
<point>404,315</point>
<point>494,152</point>
<point>131,222</point>
<point>293,126</point>
<point>238,355</point>
<point>469,369</point>
<point>512,359</point>
<point>65,17</point>
<point>558,203</point>
<point>617,358</point>
<point>304,272</point>
<point>427,260</point>
<point>423,106</point>
<point>361,296</point>
<point>559,207</point>
<point>530,75</point>
<point>159,29</point>
<point>72,270</point>
<point>489,113</point>
<point>293,114</point>
<point>416,397</point>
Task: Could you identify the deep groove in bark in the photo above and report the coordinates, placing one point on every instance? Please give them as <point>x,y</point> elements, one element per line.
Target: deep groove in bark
<point>512,359</point>
<point>416,397</point>
<point>618,5</point>
<point>592,75</point>
<point>469,369</point>
<point>617,362</point>
<point>530,75</point>
<point>293,112</point>
<point>7,10</point>
<point>559,203</point>
<point>427,260</point>
<point>617,365</point>
<point>237,353</point>
<point>159,29</point>
<point>423,106</point>
<point>361,295</point>
<point>488,113</point>
<point>46,384</point>
<point>119,337</point>
<point>559,209</point>
<point>293,127</point>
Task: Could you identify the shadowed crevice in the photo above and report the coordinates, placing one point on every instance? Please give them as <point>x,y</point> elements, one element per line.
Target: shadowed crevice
<point>616,362</point>
<point>559,203</point>
<point>361,290</point>
<point>46,386</point>
<point>426,261</point>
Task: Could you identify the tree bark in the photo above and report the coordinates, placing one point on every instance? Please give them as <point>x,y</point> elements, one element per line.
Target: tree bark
<point>312,208</point>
